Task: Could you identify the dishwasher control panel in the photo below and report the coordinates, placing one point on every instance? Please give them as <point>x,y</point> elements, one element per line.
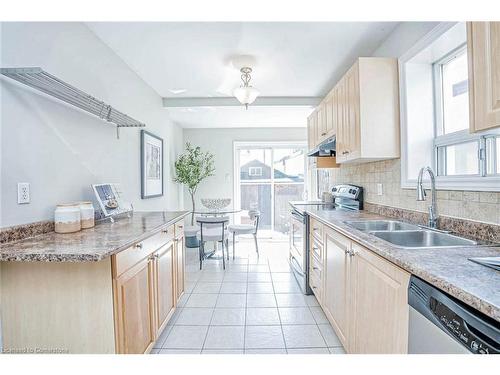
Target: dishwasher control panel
<point>459,329</point>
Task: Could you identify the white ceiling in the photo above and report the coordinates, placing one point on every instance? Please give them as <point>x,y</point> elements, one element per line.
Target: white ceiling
<point>293,59</point>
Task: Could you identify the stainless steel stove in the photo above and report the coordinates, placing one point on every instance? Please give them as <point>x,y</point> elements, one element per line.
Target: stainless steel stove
<point>346,197</point>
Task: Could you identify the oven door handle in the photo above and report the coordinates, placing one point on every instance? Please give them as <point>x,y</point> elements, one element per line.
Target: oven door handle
<point>298,216</point>
<point>296,266</point>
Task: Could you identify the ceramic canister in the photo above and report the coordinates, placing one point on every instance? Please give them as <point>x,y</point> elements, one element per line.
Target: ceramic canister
<point>87,214</point>
<point>67,218</point>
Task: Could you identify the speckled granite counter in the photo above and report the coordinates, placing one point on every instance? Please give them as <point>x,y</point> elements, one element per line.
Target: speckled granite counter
<point>89,245</point>
<point>446,268</point>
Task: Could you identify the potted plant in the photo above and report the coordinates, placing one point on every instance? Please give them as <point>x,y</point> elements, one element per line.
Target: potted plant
<point>191,168</point>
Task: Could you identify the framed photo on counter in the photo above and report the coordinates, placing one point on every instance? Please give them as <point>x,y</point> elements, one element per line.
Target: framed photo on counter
<point>151,165</point>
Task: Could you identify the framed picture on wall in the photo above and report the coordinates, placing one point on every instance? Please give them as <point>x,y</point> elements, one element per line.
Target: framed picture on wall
<point>151,165</point>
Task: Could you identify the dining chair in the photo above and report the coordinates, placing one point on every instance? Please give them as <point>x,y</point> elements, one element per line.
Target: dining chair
<point>213,229</point>
<point>237,229</point>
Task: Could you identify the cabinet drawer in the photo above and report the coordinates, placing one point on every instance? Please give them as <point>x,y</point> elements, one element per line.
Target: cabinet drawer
<point>317,250</point>
<point>316,230</point>
<point>134,254</point>
<point>315,284</point>
<point>179,228</point>
<point>316,267</point>
<point>339,239</point>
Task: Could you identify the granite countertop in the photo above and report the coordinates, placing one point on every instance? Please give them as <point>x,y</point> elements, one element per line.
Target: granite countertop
<point>446,268</point>
<point>89,245</point>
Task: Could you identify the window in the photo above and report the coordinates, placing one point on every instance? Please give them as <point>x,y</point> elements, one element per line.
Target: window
<point>435,116</point>
<point>255,171</point>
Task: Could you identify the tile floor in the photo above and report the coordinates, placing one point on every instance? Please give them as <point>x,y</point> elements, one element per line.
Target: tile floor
<point>253,307</point>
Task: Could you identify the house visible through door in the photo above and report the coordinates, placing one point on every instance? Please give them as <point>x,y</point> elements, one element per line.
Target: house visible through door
<point>267,176</point>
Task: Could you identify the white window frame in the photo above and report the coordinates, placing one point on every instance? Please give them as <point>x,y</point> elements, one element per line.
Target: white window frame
<point>251,171</point>
<point>481,182</point>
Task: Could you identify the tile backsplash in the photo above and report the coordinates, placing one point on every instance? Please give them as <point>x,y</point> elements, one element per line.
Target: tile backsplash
<point>471,205</point>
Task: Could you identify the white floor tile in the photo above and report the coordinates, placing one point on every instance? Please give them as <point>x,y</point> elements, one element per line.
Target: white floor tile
<point>236,268</point>
<point>178,351</point>
<point>212,277</point>
<point>291,300</point>
<point>319,315</point>
<point>329,335</point>
<point>189,286</point>
<point>207,287</point>
<point>230,287</point>
<point>262,316</point>
<point>236,277</point>
<point>159,342</point>
<point>311,300</point>
<point>303,336</point>
<point>309,351</point>
<point>222,351</point>
<point>290,287</point>
<point>265,351</point>
<point>186,337</point>
<point>182,301</point>
<point>264,337</point>
<point>202,300</point>
<point>260,288</point>
<point>261,300</point>
<point>337,350</point>
<point>256,277</point>
<point>258,268</point>
<point>225,337</point>
<point>296,315</point>
<point>231,300</point>
<point>282,277</point>
<point>198,316</point>
<point>228,317</point>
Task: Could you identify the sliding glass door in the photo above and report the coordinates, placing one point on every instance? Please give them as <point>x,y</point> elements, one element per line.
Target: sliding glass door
<point>267,176</point>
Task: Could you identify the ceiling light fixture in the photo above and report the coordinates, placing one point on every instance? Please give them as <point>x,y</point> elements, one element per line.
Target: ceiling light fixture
<point>246,94</point>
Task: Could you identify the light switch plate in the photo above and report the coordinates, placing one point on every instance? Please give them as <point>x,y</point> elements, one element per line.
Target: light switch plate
<point>23,193</point>
<point>379,189</point>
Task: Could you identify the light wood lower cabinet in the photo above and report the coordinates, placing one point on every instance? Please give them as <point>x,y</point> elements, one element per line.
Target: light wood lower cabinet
<point>363,296</point>
<point>165,285</point>
<point>180,265</point>
<point>134,317</point>
<point>336,289</point>
<point>379,310</point>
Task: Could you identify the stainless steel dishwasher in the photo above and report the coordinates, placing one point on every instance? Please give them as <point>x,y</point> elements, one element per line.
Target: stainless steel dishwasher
<point>440,324</point>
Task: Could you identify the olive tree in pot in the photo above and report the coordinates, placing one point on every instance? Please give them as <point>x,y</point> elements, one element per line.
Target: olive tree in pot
<point>191,168</point>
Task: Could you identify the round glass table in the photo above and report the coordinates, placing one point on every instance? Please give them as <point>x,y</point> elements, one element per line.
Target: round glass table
<point>213,212</point>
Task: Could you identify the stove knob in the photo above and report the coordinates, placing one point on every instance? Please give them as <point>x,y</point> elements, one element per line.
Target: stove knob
<point>334,189</point>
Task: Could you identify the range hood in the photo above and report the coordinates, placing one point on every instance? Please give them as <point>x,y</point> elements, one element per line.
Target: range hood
<point>324,149</point>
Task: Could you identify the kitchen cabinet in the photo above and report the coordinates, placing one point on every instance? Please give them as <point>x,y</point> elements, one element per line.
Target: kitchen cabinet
<point>165,285</point>
<point>379,310</point>
<point>135,308</point>
<point>336,291</point>
<point>362,111</point>
<point>483,49</point>
<point>364,296</point>
<point>119,304</point>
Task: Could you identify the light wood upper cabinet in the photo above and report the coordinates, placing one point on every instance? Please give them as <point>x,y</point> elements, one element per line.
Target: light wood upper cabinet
<point>336,296</point>
<point>135,321</point>
<point>483,49</point>
<point>165,285</point>
<point>379,310</point>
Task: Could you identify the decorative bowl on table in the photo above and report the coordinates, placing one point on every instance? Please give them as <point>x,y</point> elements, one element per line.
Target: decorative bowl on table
<point>216,203</point>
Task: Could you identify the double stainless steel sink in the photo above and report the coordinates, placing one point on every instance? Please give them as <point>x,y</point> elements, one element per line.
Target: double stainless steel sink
<point>408,235</point>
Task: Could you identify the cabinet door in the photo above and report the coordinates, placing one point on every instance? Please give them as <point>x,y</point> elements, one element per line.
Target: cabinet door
<point>180,264</point>
<point>310,133</point>
<point>165,292</point>
<point>329,116</point>
<point>321,123</point>
<point>379,320</point>
<point>351,113</point>
<point>336,290</point>
<point>342,136</point>
<point>483,41</point>
<point>135,308</point>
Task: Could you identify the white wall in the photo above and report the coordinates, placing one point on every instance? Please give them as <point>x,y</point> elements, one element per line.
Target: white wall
<point>59,150</point>
<point>220,143</point>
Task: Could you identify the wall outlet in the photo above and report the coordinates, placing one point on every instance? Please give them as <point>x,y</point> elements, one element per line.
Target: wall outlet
<point>23,193</point>
<point>379,189</point>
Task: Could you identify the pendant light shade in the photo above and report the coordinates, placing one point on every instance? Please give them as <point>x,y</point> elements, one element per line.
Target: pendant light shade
<point>246,94</point>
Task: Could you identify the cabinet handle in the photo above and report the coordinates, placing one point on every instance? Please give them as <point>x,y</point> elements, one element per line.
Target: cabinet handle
<point>352,253</point>
<point>139,245</point>
<point>323,134</point>
<point>181,226</point>
<point>313,287</point>
<point>315,268</point>
<point>165,230</point>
